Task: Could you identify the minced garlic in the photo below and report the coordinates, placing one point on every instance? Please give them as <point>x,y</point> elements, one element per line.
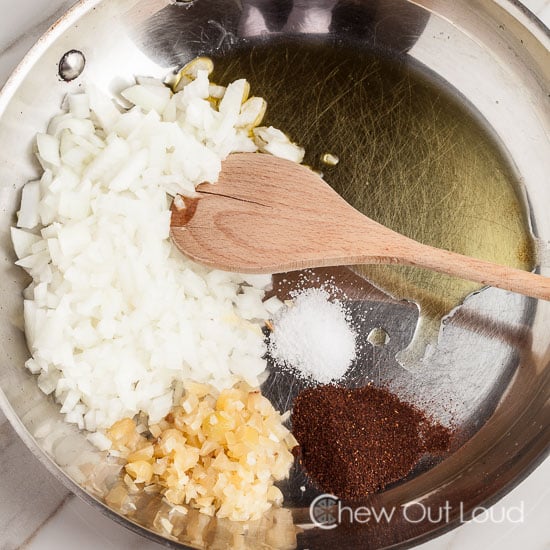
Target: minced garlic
<point>218,452</point>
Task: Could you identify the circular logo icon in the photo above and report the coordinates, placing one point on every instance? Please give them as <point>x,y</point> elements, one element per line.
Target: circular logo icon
<point>323,511</point>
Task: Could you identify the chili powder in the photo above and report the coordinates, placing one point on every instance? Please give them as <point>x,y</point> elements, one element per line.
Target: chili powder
<point>353,442</point>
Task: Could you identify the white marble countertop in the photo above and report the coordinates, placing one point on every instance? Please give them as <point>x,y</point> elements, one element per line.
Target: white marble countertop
<point>38,513</point>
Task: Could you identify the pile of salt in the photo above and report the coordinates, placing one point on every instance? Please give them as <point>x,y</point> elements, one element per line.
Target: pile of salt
<point>312,337</point>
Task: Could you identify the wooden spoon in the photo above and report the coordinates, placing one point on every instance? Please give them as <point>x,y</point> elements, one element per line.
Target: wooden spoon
<point>268,215</point>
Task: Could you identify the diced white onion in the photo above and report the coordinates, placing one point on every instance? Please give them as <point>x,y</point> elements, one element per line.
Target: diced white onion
<point>148,97</point>
<point>273,141</point>
<point>115,317</point>
<point>79,105</point>
<point>28,215</point>
<point>48,150</point>
<point>23,241</point>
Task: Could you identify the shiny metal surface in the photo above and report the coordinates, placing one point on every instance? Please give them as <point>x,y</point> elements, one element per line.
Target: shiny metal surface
<point>489,370</point>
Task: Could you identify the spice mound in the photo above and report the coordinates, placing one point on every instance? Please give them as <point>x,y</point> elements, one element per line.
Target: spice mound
<point>313,338</point>
<point>357,441</point>
<point>218,452</point>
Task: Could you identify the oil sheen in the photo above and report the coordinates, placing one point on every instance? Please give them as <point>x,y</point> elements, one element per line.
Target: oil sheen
<point>411,154</point>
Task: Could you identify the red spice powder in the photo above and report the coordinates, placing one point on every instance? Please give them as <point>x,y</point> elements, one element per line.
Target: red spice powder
<point>357,441</point>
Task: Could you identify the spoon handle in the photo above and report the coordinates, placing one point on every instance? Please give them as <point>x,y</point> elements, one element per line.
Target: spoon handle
<point>474,269</point>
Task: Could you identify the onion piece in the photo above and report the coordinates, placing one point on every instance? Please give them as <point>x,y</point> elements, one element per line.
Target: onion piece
<point>23,241</point>
<point>79,105</point>
<point>28,217</point>
<point>48,150</point>
<point>148,97</point>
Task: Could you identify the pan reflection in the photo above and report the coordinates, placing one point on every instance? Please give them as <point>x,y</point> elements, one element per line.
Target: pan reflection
<point>391,24</point>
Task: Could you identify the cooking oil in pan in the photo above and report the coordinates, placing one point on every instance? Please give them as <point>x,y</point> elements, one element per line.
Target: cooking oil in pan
<point>411,155</point>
